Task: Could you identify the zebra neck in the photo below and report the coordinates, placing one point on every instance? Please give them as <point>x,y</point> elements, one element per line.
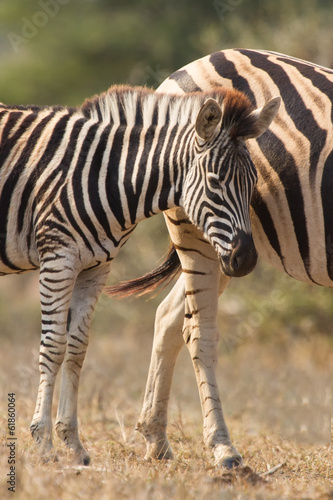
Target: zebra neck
<point>148,176</point>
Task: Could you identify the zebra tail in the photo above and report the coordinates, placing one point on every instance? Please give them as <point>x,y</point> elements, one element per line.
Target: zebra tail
<point>148,283</point>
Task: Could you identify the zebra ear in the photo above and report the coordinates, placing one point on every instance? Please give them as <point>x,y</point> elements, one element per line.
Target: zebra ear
<point>208,119</point>
<point>261,118</point>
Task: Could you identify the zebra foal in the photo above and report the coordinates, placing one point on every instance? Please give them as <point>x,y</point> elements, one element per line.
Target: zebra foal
<point>291,217</point>
<point>74,183</point>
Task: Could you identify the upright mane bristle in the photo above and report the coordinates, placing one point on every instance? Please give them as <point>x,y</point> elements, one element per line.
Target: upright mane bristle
<point>119,104</point>
<point>237,117</point>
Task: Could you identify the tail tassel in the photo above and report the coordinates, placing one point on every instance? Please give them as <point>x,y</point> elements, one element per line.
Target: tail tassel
<point>148,283</point>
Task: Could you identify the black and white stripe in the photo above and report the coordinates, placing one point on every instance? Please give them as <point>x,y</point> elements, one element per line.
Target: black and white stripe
<point>294,159</point>
<point>291,216</point>
<point>74,182</point>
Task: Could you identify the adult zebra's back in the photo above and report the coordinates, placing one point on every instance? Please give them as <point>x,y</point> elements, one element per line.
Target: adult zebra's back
<point>75,182</point>
<point>291,206</point>
<point>291,215</point>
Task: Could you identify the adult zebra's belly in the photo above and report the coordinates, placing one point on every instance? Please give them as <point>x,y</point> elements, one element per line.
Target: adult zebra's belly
<point>292,240</point>
<point>292,205</point>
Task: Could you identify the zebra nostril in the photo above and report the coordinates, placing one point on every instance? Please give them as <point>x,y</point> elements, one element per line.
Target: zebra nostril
<point>242,258</point>
<point>235,263</point>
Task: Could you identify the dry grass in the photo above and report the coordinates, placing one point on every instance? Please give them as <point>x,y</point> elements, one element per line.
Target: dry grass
<point>256,380</point>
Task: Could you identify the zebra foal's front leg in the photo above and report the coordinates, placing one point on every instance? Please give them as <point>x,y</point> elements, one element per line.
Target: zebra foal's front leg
<point>57,279</point>
<point>88,287</point>
<point>195,321</point>
<point>199,331</point>
<point>203,283</point>
<point>201,336</point>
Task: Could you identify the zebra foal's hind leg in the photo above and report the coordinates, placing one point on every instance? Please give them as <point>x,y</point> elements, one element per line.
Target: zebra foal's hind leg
<point>167,344</point>
<point>87,289</point>
<point>57,277</point>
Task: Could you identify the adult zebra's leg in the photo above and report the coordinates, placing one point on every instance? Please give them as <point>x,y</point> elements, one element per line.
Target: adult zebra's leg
<point>56,284</point>
<point>87,289</point>
<point>167,344</point>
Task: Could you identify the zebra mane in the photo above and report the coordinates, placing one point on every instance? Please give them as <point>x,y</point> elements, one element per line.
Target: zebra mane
<point>130,105</point>
<point>122,104</point>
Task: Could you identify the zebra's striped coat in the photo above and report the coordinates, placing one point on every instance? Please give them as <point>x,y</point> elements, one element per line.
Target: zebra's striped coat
<point>291,216</point>
<point>74,182</point>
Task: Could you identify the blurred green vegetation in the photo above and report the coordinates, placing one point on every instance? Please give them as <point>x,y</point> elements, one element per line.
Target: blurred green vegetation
<point>270,306</point>
<point>62,51</point>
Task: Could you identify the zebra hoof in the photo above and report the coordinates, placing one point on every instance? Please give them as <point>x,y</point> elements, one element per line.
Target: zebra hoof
<point>158,446</point>
<point>159,451</point>
<point>81,458</point>
<point>227,457</point>
<point>232,462</point>
<point>42,437</point>
<point>69,435</point>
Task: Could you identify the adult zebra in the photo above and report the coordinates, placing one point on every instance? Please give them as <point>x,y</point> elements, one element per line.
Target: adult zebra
<point>76,181</point>
<point>292,224</point>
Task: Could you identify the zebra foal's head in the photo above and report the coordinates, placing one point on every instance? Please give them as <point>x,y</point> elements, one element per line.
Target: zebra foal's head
<point>220,183</point>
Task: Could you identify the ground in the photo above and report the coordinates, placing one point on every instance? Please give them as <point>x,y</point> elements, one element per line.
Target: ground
<point>257,381</point>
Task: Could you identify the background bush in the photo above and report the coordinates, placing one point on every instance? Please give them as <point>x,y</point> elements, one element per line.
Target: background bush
<point>62,51</point>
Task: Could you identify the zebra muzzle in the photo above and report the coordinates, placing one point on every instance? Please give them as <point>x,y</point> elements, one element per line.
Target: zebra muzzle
<point>242,258</point>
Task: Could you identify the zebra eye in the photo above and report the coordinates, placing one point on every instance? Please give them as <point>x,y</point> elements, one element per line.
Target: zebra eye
<point>213,180</point>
